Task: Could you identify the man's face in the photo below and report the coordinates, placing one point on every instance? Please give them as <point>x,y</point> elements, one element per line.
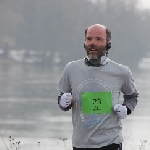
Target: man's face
<point>95,41</point>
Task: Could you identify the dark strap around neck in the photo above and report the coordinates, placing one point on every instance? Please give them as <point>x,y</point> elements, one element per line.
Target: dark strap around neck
<point>93,62</point>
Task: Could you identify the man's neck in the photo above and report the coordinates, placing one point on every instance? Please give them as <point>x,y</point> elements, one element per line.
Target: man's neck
<point>95,62</point>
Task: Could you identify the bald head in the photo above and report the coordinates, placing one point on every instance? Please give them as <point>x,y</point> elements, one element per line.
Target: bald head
<point>100,26</point>
<point>97,28</point>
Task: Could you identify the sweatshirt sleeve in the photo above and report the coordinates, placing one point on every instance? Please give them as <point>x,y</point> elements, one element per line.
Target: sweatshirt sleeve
<point>64,86</point>
<point>130,101</point>
<point>130,92</point>
<point>64,83</point>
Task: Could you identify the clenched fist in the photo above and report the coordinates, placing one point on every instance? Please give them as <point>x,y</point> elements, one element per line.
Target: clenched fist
<point>65,100</point>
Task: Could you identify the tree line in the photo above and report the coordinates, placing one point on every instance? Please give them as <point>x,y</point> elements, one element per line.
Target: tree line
<point>58,26</point>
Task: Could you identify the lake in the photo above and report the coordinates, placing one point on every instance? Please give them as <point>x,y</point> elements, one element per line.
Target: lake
<point>29,112</point>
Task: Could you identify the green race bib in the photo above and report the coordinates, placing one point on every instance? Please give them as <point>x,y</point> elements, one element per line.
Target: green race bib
<point>96,103</point>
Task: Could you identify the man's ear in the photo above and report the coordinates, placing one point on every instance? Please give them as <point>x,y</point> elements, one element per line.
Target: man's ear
<point>108,45</point>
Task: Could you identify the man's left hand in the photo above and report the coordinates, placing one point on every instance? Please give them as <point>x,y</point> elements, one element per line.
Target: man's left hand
<point>121,111</point>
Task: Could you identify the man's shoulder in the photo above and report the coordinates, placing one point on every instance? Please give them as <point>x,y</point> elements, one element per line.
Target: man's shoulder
<point>119,66</point>
<point>75,63</point>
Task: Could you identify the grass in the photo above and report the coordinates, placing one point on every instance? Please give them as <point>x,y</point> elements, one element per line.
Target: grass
<point>141,146</point>
<point>11,144</point>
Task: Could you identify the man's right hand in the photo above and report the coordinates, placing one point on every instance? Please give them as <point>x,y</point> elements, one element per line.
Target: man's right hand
<point>65,100</point>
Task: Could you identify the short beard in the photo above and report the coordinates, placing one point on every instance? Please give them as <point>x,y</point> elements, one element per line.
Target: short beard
<point>101,51</point>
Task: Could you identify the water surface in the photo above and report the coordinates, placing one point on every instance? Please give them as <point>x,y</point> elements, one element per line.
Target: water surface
<point>30,114</point>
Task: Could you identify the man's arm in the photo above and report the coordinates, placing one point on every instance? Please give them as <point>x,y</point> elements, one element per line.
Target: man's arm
<point>130,101</point>
<point>130,92</point>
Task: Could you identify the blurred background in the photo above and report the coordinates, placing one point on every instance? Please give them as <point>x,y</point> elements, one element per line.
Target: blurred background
<point>38,38</point>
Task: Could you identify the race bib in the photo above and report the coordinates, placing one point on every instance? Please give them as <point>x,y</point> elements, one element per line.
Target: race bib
<point>96,102</point>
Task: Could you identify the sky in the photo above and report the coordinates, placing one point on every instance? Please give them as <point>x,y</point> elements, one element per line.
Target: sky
<point>143,4</point>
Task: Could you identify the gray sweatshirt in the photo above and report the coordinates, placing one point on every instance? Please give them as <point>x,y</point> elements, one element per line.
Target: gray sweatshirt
<point>95,130</point>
